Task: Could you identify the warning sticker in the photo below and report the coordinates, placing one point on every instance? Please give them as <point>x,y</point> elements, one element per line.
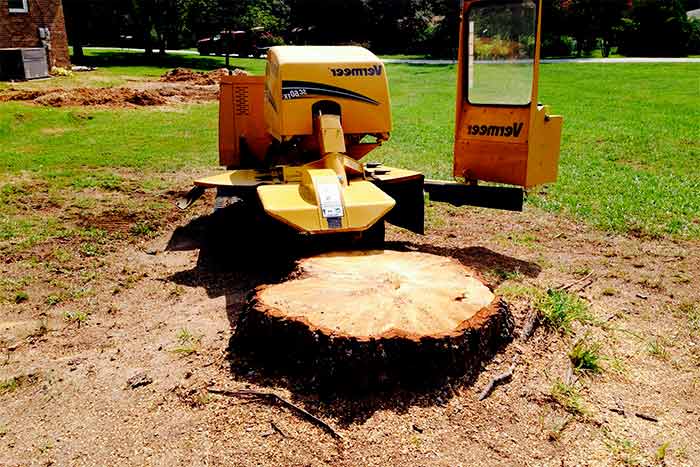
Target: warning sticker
<point>329,197</point>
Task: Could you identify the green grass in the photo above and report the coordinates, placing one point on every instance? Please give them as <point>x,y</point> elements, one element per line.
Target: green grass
<point>560,309</point>
<point>141,229</point>
<point>630,146</point>
<point>585,356</point>
<point>568,397</point>
<point>110,138</point>
<point>21,297</point>
<point>631,143</point>
<point>662,451</point>
<point>691,312</point>
<point>8,385</point>
<point>188,343</point>
<point>656,348</point>
<point>117,67</point>
<point>78,317</point>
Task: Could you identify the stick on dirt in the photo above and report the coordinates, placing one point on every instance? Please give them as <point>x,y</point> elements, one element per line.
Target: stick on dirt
<point>586,285</point>
<point>278,429</point>
<point>533,319</point>
<point>569,377</point>
<point>578,281</point>
<point>274,398</point>
<point>647,417</point>
<point>496,380</point>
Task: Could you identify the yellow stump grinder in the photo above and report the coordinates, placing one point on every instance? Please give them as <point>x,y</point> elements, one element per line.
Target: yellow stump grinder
<point>292,140</point>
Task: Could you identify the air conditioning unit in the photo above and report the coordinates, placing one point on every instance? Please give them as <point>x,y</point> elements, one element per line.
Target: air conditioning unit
<point>23,63</point>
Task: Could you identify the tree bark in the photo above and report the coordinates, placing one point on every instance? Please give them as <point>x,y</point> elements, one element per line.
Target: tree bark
<point>360,320</point>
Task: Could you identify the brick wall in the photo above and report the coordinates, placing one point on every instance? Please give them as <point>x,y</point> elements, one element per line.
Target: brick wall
<point>21,29</point>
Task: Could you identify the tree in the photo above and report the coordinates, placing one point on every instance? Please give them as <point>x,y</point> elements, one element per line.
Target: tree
<point>272,15</point>
<point>656,28</point>
<point>555,33</point>
<point>398,25</point>
<point>609,14</point>
<point>98,22</point>
<point>331,21</point>
<point>589,20</point>
<point>444,33</point>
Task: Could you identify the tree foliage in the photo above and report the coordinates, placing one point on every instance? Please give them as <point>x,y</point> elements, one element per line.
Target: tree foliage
<point>649,27</point>
<point>657,28</point>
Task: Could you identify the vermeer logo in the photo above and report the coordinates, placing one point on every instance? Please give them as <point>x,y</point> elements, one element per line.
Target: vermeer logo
<point>374,70</point>
<point>495,130</point>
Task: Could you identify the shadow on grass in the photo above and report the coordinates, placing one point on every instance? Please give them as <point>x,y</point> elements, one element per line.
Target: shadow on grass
<point>113,58</point>
<point>238,252</point>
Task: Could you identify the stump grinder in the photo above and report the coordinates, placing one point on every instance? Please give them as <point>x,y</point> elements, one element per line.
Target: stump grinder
<point>292,140</point>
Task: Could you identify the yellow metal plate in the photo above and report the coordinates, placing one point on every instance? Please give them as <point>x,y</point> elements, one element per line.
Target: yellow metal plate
<point>296,205</point>
<point>231,178</point>
<point>394,174</point>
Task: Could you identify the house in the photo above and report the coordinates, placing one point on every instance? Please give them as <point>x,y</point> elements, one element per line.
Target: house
<point>35,30</point>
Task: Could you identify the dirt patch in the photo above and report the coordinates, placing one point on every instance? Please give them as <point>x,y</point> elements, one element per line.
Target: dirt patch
<point>109,221</point>
<point>178,75</point>
<point>170,315</point>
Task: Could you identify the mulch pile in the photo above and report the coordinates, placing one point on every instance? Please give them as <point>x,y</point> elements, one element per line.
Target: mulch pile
<point>112,97</point>
<point>196,77</point>
<point>180,85</point>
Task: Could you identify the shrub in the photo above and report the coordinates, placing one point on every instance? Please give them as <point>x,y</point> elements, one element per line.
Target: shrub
<point>497,48</point>
<point>656,28</point>
<point>60,71</point>
<point>558,46</point>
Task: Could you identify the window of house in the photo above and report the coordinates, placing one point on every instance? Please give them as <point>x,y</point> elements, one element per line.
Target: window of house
<point>18,6</point>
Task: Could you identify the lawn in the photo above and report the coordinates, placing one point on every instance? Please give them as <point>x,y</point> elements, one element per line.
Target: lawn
<point>630,147</point>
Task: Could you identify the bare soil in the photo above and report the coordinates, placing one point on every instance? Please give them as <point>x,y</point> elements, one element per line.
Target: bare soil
<point>178,75</point>
<point>179,85</point>
<point>125,384</point>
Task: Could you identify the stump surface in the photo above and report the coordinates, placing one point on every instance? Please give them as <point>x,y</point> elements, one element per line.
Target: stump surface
<point>379,294</point>
<point>359,320</point>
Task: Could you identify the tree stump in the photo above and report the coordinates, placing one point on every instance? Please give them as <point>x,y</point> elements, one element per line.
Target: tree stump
<point>360,319</point>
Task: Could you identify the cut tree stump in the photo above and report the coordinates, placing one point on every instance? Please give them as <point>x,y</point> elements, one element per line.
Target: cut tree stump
<point>360,319</point>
